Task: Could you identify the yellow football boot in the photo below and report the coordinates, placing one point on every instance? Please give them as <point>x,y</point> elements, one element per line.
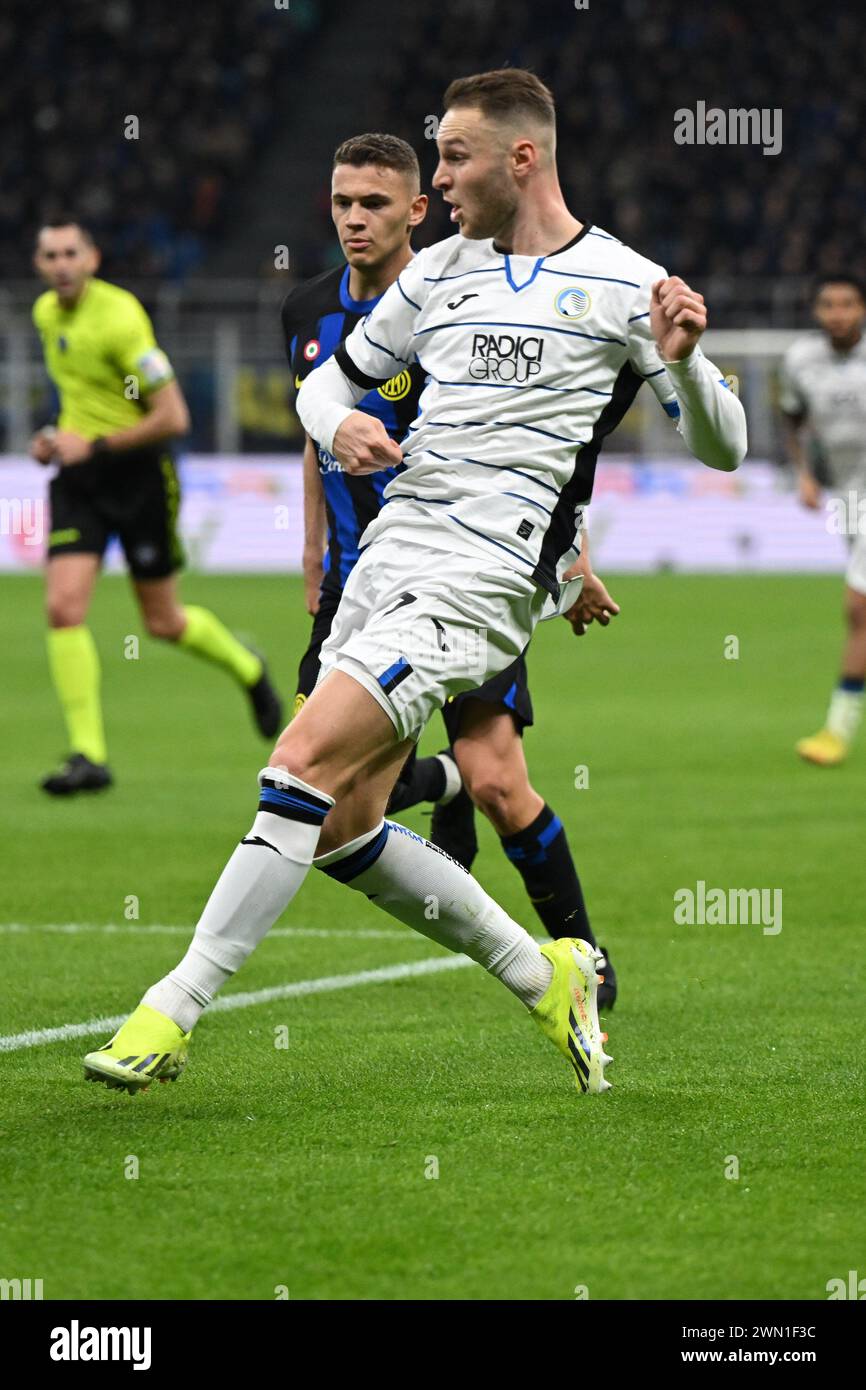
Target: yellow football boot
<point>149,1046</point>
<point>568,1011</point>
<point>826,749</point>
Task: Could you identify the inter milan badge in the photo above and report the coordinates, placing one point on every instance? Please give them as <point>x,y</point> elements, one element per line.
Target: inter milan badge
<point>572,302</point>
<point>312,349</point>
<point>398,387</point>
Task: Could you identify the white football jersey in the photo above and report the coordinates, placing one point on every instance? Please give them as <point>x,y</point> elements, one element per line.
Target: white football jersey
<point>828,388</point>
<point>531,362</point>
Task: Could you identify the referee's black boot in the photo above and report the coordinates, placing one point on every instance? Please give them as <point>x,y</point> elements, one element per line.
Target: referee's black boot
<point>267,705</point>
<point>78,774</point>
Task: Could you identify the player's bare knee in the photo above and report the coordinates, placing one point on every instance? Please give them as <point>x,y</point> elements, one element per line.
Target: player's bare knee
<point>491,793</point>
<point>303,757</point>
<point>65,610</point>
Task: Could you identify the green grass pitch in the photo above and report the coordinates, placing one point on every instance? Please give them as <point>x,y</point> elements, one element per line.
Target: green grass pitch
<point>307,1167</point>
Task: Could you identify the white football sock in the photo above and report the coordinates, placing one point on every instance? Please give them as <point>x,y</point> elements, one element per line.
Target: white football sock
<point>845,713</point>
<point>255,887</point>
<point>428,890</point>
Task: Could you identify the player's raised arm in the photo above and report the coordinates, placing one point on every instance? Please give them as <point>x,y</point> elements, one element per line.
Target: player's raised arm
<point>664,343</point>
<point>378,347</point>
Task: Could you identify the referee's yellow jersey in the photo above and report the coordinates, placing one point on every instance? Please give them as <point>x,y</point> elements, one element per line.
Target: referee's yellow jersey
<point>102,356</point>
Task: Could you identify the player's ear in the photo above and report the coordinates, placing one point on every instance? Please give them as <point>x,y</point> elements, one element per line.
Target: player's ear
<point>418,209</point>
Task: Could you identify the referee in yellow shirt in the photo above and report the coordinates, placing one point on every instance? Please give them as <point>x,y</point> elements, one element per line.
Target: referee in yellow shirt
<point>119,406</point>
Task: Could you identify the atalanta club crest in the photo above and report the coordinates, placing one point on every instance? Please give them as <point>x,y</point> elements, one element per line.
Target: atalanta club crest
<point>572,303</point>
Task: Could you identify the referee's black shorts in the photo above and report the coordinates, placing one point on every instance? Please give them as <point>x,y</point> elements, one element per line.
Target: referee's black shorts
<point>134,496</point>
<point>510,688</point>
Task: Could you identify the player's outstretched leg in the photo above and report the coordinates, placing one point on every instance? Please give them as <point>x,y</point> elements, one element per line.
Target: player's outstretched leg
<point>256,885</point>
<point>489,752</point>
<point>406,875</point>
<point>265,871</point>
<point>420,885</point>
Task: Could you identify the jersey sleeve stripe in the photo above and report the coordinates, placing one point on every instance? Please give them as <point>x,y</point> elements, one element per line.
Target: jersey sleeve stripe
<point>406,297</point>
<point>380,347</point>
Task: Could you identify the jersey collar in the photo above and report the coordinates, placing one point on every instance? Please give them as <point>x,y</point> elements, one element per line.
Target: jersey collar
<point>587,227</point>
<point>355,306</point>
<point>540,259</point>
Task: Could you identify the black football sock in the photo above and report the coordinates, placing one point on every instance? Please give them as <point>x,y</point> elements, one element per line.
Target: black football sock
<point>541,855</point>
<point>422,779</point>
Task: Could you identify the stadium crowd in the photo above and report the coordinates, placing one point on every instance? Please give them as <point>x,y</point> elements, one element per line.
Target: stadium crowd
<point>199,79</point>
<point>620,71</point>
<point>203,81</point>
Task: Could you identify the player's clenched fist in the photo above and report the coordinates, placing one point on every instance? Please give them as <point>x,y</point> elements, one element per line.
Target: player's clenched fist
<point>678,317</point>
<point>363,445</point>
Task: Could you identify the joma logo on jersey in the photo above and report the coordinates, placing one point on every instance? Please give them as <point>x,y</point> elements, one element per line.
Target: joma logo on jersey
<point>504,357</point>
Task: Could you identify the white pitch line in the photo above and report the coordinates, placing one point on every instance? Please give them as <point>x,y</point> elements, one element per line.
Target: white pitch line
<point>131,929</point>
<point>434,965</point>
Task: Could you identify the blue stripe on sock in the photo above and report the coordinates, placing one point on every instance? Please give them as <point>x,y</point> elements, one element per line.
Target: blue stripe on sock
<point>550,832</point>
<point>852,685</point>
<point>344,870</point>
<point>296,800</point>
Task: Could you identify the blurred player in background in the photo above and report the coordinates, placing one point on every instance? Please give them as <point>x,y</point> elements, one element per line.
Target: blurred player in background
<point>824,404</point>
<point>376,203</point>
<point>120,405</point>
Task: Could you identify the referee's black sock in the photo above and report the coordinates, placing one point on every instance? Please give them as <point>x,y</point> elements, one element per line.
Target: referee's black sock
<point>421,779</point>
<point>541,855</point>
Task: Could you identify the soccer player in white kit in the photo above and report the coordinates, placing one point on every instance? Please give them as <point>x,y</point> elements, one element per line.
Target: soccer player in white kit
<point>824,396</point>
<point>536,331</point>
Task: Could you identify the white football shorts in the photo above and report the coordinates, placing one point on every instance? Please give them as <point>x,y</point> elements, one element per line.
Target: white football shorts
<point>418,623</point>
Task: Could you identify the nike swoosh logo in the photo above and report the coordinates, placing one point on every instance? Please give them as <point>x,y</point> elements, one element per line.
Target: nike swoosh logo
<point>457,302</point>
